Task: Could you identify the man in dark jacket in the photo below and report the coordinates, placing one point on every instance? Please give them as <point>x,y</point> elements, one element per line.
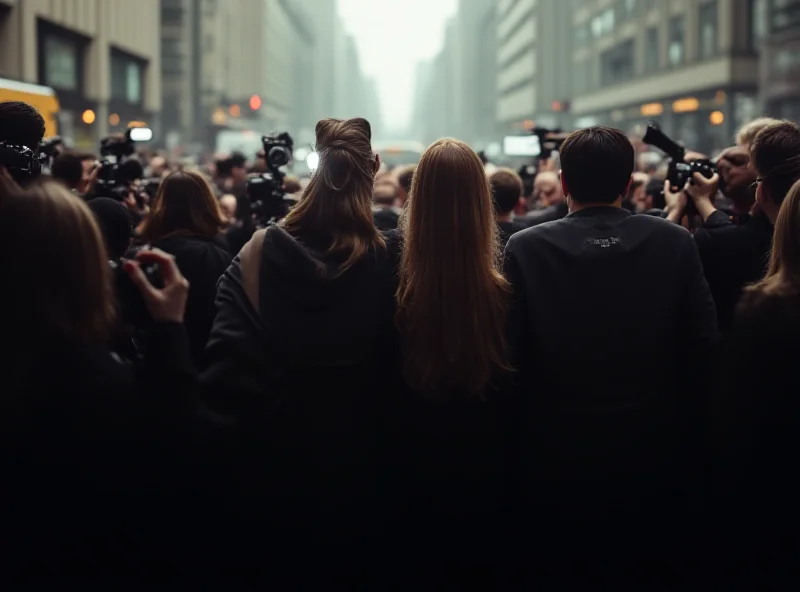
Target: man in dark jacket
<point>612,326</point>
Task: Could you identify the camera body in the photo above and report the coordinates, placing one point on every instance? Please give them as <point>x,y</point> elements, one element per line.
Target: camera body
<point>265,192</point>
<point>23,163</point>
<point>679,171</point>
<point>112,180</point>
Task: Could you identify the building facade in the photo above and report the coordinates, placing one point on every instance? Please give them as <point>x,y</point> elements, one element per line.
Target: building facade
<point>101,56</point>
<point>776,27</point>
<point>689,65</point>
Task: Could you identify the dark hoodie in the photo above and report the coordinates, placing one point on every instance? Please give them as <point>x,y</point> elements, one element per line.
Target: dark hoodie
<point>298,352</point>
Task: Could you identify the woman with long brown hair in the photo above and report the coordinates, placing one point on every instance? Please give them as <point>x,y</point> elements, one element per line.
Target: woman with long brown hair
<point>297,348</point>
<point>185,221</point>
<point>758,411</point>
<point>79,431</point>
<point>452,308</point>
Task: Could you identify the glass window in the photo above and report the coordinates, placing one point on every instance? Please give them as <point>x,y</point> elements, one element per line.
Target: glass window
<point>597,27</point>
<point>607,21</point>
<point>61,63</point>
<point>651,49</point>
<point>617,64</point>
<point>677,34</point>
<point>126,78</point>
<point>627,9</point>
<point>708,30</point>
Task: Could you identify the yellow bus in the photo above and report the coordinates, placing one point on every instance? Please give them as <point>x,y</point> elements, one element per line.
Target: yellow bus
<point>43,98</point>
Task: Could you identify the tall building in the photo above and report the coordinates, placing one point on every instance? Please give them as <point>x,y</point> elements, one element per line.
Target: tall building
<point>533,48</point>
<point>776,26</point>
<point>690,65</point>
<point>101,56</point>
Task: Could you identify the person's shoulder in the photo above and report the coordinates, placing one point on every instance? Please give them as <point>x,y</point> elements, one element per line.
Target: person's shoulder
<point>660,227</point>
<point>534,234</point>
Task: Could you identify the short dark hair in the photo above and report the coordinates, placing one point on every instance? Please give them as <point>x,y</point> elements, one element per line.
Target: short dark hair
<point>68,169</point>
<point>506,190</point>
<point>405,177</point>
<point>596,164</point>
<point>775,153</point>
<point>20,124</point>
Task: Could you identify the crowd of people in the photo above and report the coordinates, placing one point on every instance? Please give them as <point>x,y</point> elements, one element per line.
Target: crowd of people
<point>443,363</point>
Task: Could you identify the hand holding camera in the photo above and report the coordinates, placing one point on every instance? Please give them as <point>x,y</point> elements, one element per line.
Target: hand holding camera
<point>165,304</point>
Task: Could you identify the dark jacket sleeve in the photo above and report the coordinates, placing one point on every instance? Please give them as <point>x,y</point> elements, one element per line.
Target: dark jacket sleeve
<point>235,355</point>
<point>519,337</point>
<point>699,314</point>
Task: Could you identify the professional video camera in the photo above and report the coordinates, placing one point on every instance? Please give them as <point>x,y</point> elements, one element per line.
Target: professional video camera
<point>268,201</point>
<point>679,171</point>
<point>113,180</point>
<point>22,162</point>
<point>550,140</point>
<point>48,150</point>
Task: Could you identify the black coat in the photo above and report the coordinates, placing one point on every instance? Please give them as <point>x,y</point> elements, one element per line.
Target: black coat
<point>612,327</point>
<point>303,370</point>
<point>201,261</point>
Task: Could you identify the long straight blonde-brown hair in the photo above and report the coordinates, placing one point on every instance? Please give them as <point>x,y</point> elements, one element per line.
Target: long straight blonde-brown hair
<point>336,207</point>
<point>452,299</point>
<point>783,276</point>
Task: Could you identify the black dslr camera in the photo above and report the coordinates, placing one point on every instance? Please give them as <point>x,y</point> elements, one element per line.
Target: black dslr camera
<point>550,140</point>
<point>113,180</point>
<point>265,192</point>
<point>679,171</point>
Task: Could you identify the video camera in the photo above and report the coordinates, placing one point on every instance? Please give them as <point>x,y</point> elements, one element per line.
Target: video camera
<point>550,140</point>
<point>22,162</point>
<point>113,179</point>
<point>679,171</point>
<point>268,200</point>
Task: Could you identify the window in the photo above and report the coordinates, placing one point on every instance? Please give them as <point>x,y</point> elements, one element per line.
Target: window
<point>627,9</point>
<point>708,30</point>
<point>786,62</point>
<point>677,33</point>
<point>61,63</point>
<point>758,21</point>
<point>603,23</point>
<point>617,64</point>
<point>126,77</point>
<point>651,50</point>
<point>785,14</point>
<point>581,35</point>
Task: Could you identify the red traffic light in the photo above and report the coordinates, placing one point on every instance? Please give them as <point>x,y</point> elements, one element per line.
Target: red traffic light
<point>255,102</point>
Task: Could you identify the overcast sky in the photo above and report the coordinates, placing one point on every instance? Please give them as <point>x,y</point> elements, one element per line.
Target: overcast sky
<point>392,36</point>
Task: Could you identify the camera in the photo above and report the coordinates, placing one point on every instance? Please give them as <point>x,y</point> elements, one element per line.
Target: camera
<point>679,171</point>
<point>114,178</point>
<point>22,163</point>
<point>268,201</point>
<point>550,140</point>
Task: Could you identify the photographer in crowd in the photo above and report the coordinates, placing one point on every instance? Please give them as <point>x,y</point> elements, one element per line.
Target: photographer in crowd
<point>21,132</point>
<point>734,255</point>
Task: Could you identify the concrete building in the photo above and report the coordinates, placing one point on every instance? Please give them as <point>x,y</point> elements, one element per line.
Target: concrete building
<point>533,49</point>
<point>776,28</point>
<point>691,65</point>
<point>101,56</point>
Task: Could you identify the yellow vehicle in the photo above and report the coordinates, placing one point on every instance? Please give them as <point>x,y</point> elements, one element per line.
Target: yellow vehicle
<point>43,98</point>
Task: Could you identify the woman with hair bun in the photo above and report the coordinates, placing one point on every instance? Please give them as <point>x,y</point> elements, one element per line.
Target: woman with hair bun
<point>297,348</point>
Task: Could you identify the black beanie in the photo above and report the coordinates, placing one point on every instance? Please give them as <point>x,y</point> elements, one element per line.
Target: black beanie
<point>115,224</point>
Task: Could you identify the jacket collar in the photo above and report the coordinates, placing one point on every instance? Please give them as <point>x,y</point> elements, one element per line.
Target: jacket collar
<point>605,212</point>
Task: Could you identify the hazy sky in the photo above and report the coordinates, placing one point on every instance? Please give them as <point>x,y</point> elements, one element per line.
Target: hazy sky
<point>392,36</point>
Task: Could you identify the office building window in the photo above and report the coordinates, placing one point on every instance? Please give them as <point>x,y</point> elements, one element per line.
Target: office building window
<point>708,30</point>
<point>627,9</point>
<point>126,77</point>
<point>581,35</point>
<point>61,58</point>
<point>758,21</point>
<point>603,23</point>
<point>651,50</point>
<point>617,64</point>
<point>677,35</point>
<point>785,14</point>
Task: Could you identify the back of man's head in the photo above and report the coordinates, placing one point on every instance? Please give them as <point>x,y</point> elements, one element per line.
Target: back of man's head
<point>68,169</point>
<point>506,190</point>
<point>404,178</point>
<point>596,165</point>
<point>385,194</point>
<point>115,224</point>
<point>20,124</point>
<point>775,154</point>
